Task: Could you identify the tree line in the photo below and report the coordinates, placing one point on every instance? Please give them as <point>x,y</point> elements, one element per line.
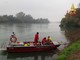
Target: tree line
<point>71,20</point>
<point>21,18</point>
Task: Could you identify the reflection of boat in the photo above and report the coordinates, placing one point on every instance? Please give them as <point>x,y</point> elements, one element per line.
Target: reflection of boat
<point>30,47</point>
<point>48,55</point>
<point>31,56</point>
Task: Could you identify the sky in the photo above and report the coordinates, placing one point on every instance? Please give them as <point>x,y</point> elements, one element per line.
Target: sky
<point>54,10</point>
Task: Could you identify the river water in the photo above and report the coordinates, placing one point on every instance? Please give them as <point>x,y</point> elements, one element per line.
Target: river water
<point>26,32</point>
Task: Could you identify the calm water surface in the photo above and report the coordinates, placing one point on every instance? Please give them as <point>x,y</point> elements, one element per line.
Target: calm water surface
<point>26,32</point>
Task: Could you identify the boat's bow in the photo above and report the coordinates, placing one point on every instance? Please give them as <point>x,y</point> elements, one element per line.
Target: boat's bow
<point>57,44</point>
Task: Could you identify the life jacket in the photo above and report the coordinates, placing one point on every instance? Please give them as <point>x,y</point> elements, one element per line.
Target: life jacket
<point>13,39</point>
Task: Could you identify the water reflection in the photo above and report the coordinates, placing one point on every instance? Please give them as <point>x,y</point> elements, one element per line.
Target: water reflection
<point>71,33</point>
<point>15,27</point>
<point>68,28</point>
<point>21,28</point>
<point>29,56</point>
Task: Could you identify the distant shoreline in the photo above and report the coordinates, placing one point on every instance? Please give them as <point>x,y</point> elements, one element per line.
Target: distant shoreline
<point>22,18</point>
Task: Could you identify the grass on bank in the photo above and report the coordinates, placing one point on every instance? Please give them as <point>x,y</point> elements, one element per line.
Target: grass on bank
<point>68,50</point>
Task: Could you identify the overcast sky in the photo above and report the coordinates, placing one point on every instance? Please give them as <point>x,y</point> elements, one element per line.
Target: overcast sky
<point>54,10</point>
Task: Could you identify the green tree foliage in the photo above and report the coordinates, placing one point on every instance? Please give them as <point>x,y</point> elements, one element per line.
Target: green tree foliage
<point>21,18</point>
<point>71,20</point>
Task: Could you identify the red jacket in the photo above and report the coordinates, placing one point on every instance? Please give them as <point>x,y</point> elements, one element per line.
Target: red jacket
<point>43,40</point>
<point>36,37</point>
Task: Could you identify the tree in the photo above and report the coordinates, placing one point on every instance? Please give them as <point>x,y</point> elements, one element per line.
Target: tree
<point>20,15</point>
<point>71,20</point>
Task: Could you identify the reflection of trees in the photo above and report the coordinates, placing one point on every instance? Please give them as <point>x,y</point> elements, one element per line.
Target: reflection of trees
<point>71,33</point>
<point>16,27</point>
<point>40,26</point>
<point>6,27</point>
<point>22,28</point>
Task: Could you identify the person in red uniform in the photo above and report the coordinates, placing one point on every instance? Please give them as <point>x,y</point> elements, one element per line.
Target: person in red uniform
<point>44,41</point>
<point>36,38</point>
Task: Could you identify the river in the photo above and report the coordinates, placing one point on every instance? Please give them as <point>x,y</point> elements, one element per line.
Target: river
<point>26,32</point>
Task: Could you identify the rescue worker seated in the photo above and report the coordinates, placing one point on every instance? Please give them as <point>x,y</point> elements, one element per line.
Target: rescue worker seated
<point>48,40</point>
<point>44,41</point>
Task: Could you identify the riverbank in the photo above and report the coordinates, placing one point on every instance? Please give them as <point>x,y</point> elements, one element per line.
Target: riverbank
<point>72,51</point>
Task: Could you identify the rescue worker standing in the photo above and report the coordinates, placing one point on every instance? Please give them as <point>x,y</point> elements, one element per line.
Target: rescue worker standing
<point>13,38</point>
<point>36,38</point>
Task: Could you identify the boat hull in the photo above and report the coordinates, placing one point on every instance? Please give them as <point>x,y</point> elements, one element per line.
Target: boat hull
<point>31,48</point>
